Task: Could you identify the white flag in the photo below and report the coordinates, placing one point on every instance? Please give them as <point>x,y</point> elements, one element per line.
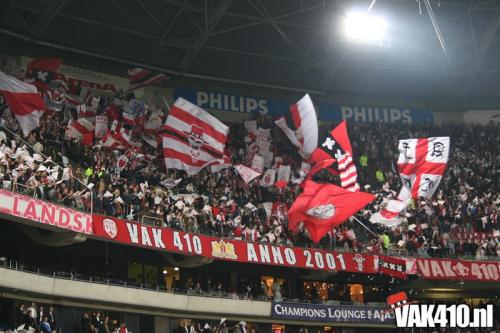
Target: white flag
<point>258,164</point>
<point>246,173</point>
<point>284,173</point>
<point>101,126</point>
<point>268,178</point>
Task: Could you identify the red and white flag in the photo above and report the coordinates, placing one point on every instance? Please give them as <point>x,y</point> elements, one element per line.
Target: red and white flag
<point>116,126</point>
<point>24,101</point>
<point>124,137</point>
<point>81,128</point>
<point>300,125</point>
<point>389,216</point>
<point>140,77</point>
<point>338,146</point>
<point>109,141</point>
<point>122,162</point>
<point>422,163</point>
<point>84,111</point>
<point>246,173</point>
<point>347,169</point>
<point>42,71</point>
<point>395,267</point>
<point>322,207</point>
<point>193,139</point>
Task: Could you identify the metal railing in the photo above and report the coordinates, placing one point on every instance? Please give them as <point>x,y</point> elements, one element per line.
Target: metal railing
<point>75,276</point>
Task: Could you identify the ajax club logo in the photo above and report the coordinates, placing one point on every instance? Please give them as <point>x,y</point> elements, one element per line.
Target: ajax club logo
<point>221,249</point>
<point>409,314</point>
<point>110,227</point>
<point>195,139</point>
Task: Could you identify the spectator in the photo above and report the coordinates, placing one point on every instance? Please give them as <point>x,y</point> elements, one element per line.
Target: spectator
<point>123,328</point>
<point>52,319</point>
<point>20,315</point>
<point>45,325</point>
<point>96,323</point>
<point>85,325</point>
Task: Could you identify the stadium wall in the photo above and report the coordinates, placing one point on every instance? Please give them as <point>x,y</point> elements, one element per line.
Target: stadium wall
<point>134,299</point>
<point>29,287</point>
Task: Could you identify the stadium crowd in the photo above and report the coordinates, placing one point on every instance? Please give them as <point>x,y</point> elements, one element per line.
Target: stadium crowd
<point>39,318</point>
<point>461,219</point>
<point>33,318</point>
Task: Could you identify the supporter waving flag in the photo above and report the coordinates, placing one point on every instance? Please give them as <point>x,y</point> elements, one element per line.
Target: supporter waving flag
<point>300,125</point>
<point>193,139</point>
<point>421,165</point>
<point>24,101</point>
<point>322,207</point>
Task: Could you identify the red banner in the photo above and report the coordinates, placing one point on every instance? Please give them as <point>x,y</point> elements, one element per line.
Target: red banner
<point>448,269</point>
<point>44,212</point>
<point>170,240</point>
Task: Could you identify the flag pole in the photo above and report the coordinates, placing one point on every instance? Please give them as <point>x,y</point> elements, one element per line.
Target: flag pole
<point>166,103</point>
<point>374,234</point>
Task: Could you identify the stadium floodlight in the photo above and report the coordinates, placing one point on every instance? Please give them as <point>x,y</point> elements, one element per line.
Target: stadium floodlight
<point>364,28</point>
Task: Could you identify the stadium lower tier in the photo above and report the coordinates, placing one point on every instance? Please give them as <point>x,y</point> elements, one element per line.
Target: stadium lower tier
<point>158,292</point>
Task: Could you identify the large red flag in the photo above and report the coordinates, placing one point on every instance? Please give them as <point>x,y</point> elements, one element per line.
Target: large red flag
<point>324,206</point>
<point>339,134</point>
<point>337,145</point>
<point>24,102</point>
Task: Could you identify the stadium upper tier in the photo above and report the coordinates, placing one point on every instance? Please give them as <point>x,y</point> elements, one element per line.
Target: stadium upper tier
<point>123,175</point>
<point>460,221</point>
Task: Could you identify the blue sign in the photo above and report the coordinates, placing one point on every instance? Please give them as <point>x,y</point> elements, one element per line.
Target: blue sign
<point>232,103</point>
<point>333,313</point>
<point>351,113</point>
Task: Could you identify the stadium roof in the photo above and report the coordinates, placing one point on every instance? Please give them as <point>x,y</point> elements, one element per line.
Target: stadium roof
<point>287,43</point>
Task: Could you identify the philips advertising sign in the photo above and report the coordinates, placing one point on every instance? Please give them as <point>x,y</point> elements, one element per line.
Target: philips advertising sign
<point>352,113</point>
<point>232,103</point>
